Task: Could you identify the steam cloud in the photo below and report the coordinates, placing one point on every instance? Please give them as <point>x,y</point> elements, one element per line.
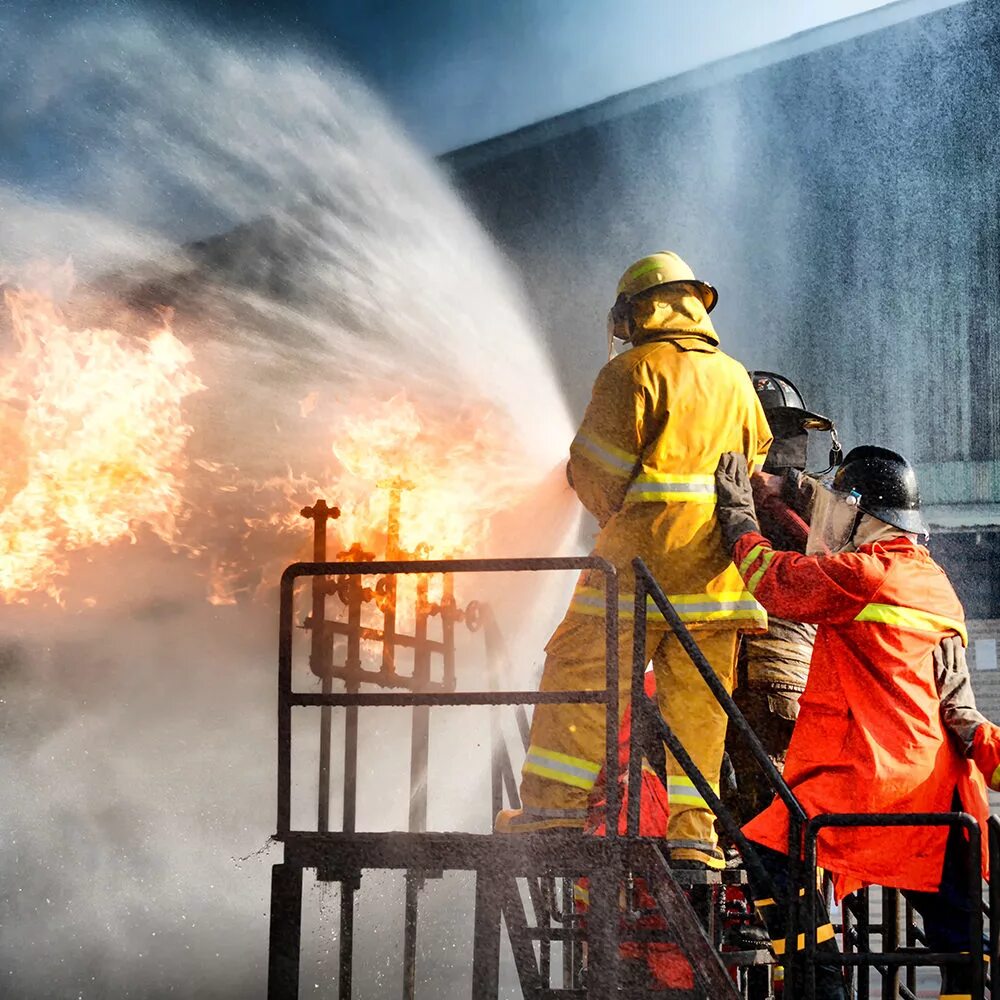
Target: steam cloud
<point>139,737</point>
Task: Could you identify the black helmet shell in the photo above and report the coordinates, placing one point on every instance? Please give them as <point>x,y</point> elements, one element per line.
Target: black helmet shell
<point>887,484</point>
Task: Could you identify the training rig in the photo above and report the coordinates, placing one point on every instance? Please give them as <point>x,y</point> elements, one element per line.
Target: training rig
<point>524,883</point>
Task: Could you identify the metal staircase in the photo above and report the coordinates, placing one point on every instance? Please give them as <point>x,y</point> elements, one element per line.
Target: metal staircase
<point>523,882</point>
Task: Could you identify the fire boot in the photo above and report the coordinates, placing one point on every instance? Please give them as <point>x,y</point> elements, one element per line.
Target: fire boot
<point>829,974</point>
<point>536,821</point>
<point>956,982</point>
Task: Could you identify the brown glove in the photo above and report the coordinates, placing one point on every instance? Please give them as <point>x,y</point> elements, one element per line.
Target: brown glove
<point>958,704</point>
<point>734,499</point>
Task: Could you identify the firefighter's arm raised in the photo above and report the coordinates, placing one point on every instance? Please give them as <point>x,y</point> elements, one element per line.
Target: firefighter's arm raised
<point>814,589</point>
<point>607,448</point>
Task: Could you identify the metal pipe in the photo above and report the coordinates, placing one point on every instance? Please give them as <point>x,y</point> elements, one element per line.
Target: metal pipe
<point>638,708</point>
<point>993,831</point>
<point>323,792</point>
<point>345,981</point>
<point>442,698</point>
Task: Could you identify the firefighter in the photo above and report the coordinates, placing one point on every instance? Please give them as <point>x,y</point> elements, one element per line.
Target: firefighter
<point>869,737</point>
<point>772,668</point>
<point>643,463</point>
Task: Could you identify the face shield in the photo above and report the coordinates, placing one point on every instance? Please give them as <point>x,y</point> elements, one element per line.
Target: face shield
<point>833,520</point>
<point>618,323</point>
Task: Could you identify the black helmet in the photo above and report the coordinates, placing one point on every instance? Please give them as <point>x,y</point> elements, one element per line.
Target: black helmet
<point>790,422</point>
<point>887,485</point>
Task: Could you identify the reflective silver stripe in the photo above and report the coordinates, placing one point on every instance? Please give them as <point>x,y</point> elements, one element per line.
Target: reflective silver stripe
<point>557,766</point>
<point>555,813</point>
<point>638,486</point>
<point>591,602</point>
<point>666,486</point>
<point>613,459</point>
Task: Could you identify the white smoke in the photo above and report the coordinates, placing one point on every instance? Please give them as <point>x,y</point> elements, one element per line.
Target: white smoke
<point>137,758</point>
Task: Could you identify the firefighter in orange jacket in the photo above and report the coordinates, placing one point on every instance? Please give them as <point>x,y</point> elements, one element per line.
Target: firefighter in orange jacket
<point>643,463</point>
<point>869,737</point>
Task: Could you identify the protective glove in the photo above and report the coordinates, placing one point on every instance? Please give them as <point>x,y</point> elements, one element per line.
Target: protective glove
<point>734,499</point>
<point>986,753</point>
<point>958,703</point>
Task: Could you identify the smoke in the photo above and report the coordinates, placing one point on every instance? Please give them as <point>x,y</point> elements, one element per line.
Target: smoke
<point>139,737</point>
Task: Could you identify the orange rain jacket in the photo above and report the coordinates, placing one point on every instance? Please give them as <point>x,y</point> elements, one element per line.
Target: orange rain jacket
<point>869,737</point>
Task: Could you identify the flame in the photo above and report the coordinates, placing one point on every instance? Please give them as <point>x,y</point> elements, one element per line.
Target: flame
<point>92,441</point>
<point>451,471</point>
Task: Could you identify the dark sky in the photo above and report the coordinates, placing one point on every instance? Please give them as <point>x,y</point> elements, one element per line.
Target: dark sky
<point>456,71</point>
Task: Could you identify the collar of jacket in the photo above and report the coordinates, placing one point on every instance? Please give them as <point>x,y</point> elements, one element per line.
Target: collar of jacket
<point>666,315</point>
<point>684,340</point>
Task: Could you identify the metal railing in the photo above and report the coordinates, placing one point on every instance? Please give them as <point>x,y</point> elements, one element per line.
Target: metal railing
<point>888,961</point>
<point>342,854</point>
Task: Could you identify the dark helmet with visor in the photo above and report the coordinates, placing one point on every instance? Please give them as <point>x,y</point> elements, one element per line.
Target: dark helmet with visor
<point>790,423</point>
<point>872,481</point>
<point>886,485</point>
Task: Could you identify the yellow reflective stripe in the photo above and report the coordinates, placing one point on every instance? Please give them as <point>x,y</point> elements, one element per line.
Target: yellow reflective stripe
<point>749,560</point>
<point>690,607</point>
<point>824,933</point>
<point>771,902</point>
<point>681,791</point>
<point>754,581</point>
<point>995,780</point>
<point>561,767</point>
<point>612,459</point>
<point>912,618</point>
<point>669,486</point>
<point>652,494</point>
<point>580,894</point>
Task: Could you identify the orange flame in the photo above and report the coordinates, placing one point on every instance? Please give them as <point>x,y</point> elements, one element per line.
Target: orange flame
<point>92,441</point>
<point>452,471</point>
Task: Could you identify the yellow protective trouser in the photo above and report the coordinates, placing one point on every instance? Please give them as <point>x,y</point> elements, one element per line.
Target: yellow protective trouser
<point>567,741</point>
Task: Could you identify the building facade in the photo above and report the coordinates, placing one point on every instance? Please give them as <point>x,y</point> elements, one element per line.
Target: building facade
<point>842,190</point>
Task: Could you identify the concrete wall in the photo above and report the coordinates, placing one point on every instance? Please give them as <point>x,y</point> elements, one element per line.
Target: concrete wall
<point>846,203</point>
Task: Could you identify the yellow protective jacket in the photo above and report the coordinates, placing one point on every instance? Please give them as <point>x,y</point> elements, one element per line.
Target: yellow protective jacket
<point>643,463</point>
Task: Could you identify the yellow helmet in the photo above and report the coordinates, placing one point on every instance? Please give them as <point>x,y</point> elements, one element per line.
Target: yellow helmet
<point>663,268</point>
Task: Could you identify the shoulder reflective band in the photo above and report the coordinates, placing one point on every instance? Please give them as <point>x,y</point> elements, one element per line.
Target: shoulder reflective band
<point>664,487</point>
<point>823,933</point>
<point>561,767</point>
<point>681,792</point>
<point>614,460</point>
<point>911,618</point>
<point>726,605</point>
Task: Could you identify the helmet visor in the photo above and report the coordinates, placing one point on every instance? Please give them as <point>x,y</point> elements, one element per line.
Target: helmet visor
<point>834,515</point>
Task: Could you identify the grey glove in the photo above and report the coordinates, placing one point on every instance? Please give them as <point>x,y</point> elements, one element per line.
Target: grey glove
<point>734,499</point>
<point>958,704</point>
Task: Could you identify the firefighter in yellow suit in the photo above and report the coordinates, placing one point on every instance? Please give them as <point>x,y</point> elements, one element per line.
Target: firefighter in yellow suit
<point>643,463</point>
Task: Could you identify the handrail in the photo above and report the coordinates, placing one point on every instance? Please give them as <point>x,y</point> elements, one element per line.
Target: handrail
<point>646,585</point>
<point>973,958</point>
<point>287,698</point>
<point>647,582</point>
